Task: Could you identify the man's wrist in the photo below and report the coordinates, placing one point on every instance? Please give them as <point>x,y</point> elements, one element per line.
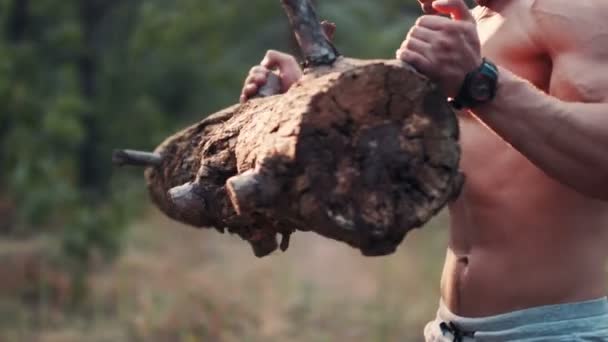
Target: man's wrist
<point>479,86</point>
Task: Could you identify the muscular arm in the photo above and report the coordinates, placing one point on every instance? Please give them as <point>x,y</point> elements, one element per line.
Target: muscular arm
<point>564,132</point>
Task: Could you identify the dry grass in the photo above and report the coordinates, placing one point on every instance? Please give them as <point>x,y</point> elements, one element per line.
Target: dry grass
<point>174,283</point>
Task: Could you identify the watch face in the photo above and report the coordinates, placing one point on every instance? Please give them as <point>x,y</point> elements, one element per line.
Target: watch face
<point>481,88</point>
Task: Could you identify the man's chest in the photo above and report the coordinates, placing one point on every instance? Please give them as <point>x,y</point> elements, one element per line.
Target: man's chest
<point>506,39</point>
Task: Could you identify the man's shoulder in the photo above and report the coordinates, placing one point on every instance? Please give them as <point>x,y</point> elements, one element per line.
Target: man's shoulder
<point>568,23</point>
<point>561,12</point>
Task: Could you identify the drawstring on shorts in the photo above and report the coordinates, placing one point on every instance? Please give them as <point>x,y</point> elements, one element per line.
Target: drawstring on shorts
<point>455,331</point>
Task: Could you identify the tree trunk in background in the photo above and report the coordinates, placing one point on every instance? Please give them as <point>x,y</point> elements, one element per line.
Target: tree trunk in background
<point>15,31</point>
<point>87,65</point>
<point>17,21</point>
<point>16,28</point>
<point>93,177</point>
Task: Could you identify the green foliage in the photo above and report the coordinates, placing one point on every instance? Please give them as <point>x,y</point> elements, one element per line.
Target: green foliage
<point>79,78</point>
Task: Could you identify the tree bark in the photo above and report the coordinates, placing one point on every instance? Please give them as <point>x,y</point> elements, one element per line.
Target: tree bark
<point>357,151</point>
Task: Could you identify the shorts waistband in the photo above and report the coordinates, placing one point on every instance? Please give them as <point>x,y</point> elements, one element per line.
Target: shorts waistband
<point>542,314</point>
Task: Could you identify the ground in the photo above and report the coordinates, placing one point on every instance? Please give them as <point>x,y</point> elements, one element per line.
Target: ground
<point>176,283</point>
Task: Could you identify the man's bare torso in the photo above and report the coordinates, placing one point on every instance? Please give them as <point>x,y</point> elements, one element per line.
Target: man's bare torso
<point>518,238</point>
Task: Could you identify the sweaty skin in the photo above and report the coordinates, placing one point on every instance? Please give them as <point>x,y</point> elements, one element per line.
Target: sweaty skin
<point>530,227</point>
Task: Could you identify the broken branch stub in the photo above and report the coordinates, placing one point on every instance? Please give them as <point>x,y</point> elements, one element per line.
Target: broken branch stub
<point>360,151</point>
<point>314,43</point>
<point>135,158</point>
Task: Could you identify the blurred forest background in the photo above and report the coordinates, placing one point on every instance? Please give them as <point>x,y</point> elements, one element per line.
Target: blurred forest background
<point>83,256</point>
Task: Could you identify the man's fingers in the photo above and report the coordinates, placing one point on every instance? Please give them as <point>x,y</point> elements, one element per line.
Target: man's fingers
<point>417,60</point>
<point>288,73</point>
<point>288,67</point>
<point>257,78</point>
<point>434,22</point>
<point>258,69</point>
<point>457,9</point>
<point>416,45</point>
<point>276,59</point>
<point>250,90</point>
<point>422,33</point>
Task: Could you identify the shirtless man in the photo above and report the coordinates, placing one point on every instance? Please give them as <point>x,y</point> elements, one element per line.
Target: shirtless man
<point>528,242</point>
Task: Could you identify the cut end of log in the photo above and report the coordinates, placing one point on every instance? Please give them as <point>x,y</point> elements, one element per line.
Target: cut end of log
<point>135,158</point>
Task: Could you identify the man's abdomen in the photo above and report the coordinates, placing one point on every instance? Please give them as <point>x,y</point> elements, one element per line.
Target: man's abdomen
<point>487,283</point>
<point>518,238</point>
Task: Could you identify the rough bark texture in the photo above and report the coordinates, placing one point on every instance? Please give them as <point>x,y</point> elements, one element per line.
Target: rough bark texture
<point>360,151</point>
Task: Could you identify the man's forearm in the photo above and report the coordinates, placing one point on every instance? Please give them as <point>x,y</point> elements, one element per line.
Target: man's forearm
<point>567,140</point>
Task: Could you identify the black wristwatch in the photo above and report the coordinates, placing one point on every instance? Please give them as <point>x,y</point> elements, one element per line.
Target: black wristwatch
<point>479,86</point>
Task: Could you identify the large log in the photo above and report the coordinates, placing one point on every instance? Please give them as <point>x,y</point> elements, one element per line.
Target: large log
<point>360,151</point>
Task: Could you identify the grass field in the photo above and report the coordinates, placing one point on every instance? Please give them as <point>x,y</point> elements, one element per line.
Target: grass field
<point>175,283</point>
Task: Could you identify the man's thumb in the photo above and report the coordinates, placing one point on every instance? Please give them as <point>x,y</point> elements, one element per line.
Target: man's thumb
<point>457,9</point>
